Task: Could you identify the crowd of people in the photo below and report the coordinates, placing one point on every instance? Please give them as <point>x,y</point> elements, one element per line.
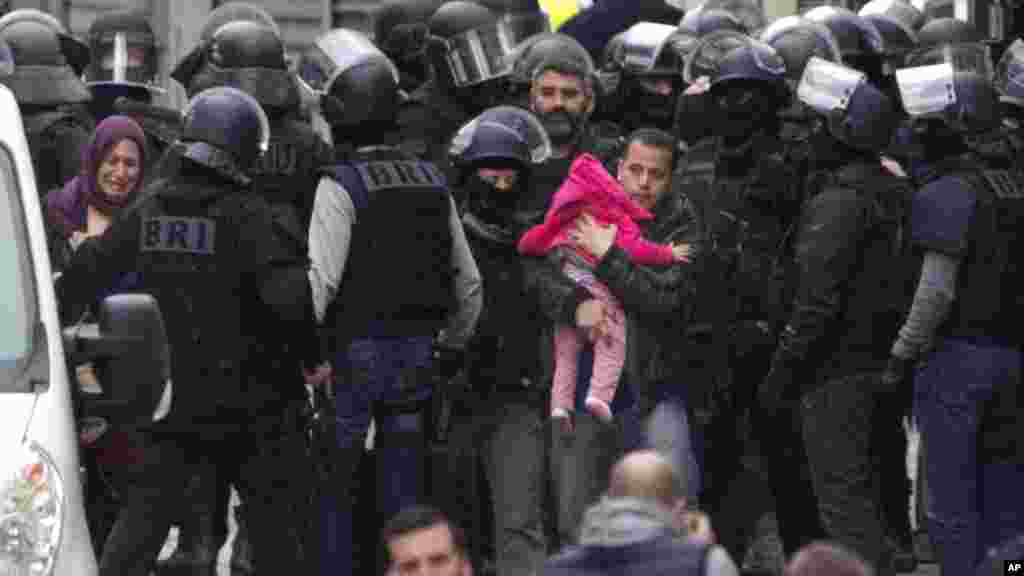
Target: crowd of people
<point>644,280</point>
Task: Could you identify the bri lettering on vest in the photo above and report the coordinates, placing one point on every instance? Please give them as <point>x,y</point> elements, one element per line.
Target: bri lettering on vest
<point>177,234</point>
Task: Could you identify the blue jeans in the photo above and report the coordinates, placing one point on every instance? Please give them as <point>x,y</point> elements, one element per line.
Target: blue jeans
<point>951,391</point>
<point>389,379</point>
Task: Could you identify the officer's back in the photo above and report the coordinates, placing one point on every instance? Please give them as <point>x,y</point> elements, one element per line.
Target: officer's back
<point>204,247</point>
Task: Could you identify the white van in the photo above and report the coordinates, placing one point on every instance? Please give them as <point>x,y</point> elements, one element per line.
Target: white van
<point>43,529</point>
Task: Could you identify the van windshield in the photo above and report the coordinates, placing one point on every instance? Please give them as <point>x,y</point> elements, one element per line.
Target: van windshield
<point>18,302</point>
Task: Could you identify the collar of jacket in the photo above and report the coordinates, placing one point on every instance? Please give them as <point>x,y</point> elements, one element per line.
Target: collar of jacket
<point>617,522</point>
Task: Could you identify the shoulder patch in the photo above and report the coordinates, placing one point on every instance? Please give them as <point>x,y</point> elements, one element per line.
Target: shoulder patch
<point>1004,184</point>
<point>178,234</point>
<point>399,174</point>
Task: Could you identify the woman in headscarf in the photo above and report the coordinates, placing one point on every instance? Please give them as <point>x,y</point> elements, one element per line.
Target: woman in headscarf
<point>111,176</point>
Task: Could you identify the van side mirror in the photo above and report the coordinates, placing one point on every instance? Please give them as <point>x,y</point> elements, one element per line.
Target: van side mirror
<point>130,355</point>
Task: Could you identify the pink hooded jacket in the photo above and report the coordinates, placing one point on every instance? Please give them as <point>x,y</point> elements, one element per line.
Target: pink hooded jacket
<point>591,189</point>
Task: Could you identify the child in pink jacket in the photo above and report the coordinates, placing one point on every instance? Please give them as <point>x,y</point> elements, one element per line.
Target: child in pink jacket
<point>589,189</point>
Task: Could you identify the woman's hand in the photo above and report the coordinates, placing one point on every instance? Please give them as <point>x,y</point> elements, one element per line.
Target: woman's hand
<point>592,236</point>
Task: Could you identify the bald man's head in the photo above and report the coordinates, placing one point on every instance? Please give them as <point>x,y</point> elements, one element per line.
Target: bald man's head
<point>824,559</point>
<point>645,475</point>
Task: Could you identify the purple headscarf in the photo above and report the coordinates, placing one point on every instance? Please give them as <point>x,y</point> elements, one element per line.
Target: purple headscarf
<point>68,205</point>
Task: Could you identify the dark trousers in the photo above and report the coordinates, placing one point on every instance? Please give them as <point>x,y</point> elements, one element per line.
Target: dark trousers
<point>387,381</point>
<point>274,480</point>
<point>838,420</point>
<point>972,504</point>
<point>497,459</point>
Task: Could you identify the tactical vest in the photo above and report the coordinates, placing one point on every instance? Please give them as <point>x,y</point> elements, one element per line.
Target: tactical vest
<point>201,255</point>
<point>287,174</point>
<point>881,284</point>
<point>747,241</point>
<point>398,278</point>
<point>990,278</point>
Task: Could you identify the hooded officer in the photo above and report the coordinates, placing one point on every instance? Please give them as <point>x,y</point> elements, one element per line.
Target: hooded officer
<point>45,81</point>
<point>497,426</point>
<point>468,49</point>
<point>390,269</point>
<point>747,194</point>
<point>124,64</point>
<point>648,77</point>
<point>847,291</point>
<point>230,288</point>
<point>966,221</point>
<point>695,112</point>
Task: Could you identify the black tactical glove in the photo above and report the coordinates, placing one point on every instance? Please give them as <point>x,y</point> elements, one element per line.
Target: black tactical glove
<point>898,383</point>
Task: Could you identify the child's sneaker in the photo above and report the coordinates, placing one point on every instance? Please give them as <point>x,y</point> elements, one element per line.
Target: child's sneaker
<point>599,408</point>
<point>562,419</point>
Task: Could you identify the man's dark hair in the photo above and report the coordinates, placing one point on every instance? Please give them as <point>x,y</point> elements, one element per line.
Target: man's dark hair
<point>420,518</point>
<point>654,138</point>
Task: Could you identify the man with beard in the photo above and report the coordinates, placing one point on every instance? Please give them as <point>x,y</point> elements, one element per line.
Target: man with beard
<point>496,421</point>
<point>747,192</point>
<point>655,303</point>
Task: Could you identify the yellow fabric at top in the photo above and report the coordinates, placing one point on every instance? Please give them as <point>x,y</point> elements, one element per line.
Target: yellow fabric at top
<point>559,11</point>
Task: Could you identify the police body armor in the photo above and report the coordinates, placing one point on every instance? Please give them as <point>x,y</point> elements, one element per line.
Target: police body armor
<point>286,174</point>
<point>882,283</point>
<point>198,247</point>
<point>984,231</point>
<point>745,286</point>
<point>398,277</point>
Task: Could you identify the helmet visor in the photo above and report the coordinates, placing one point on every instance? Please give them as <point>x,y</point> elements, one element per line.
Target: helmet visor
<point>976,58</point>
<point>1009,75</point>
<point>927,90</point>
<point>703,60</point>
<point>483,53</point>
<point>827,87</point>
<point>337,51</point>
<point>642,45</point>
<point>124,58</point>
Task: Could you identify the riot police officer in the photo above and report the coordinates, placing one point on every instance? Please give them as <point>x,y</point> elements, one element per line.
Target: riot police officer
<point>230,289</point>
<point>45,81</point>
<point>965,220</point>
<point>496,424</point>
<point>748,195</point>
<point>648,78</point>
<point>847,291</point>
<point>390,269</point>
<point>249,55</point>
<point>124,64</point>
<point>468,49</point>
<point>695,112</point>
<point>860,43</point>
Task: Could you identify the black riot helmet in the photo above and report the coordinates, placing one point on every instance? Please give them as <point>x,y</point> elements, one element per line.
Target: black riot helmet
<point>702,21</point>
<point>898,21</point>
<point>1009,75</point>
<point>477,47</point>
<point>360,86</point>
<point>245,55</point>
<point>42,73</point>
<point>944,38</point>
<point>499,137</point>
<point>233,12</point>
<point>797,39</point>
<point>950,85</point>
<point>225,130</point>
<point>124,52</point>
<point>852,110</point>
<point>75,51</point>
<point>748,87</point>
<point>704,58</point>
<point>649,72</point>
<point>860,42</point>
<point>748,12</point>
<point>400,30</point>
<point>550,51</point>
